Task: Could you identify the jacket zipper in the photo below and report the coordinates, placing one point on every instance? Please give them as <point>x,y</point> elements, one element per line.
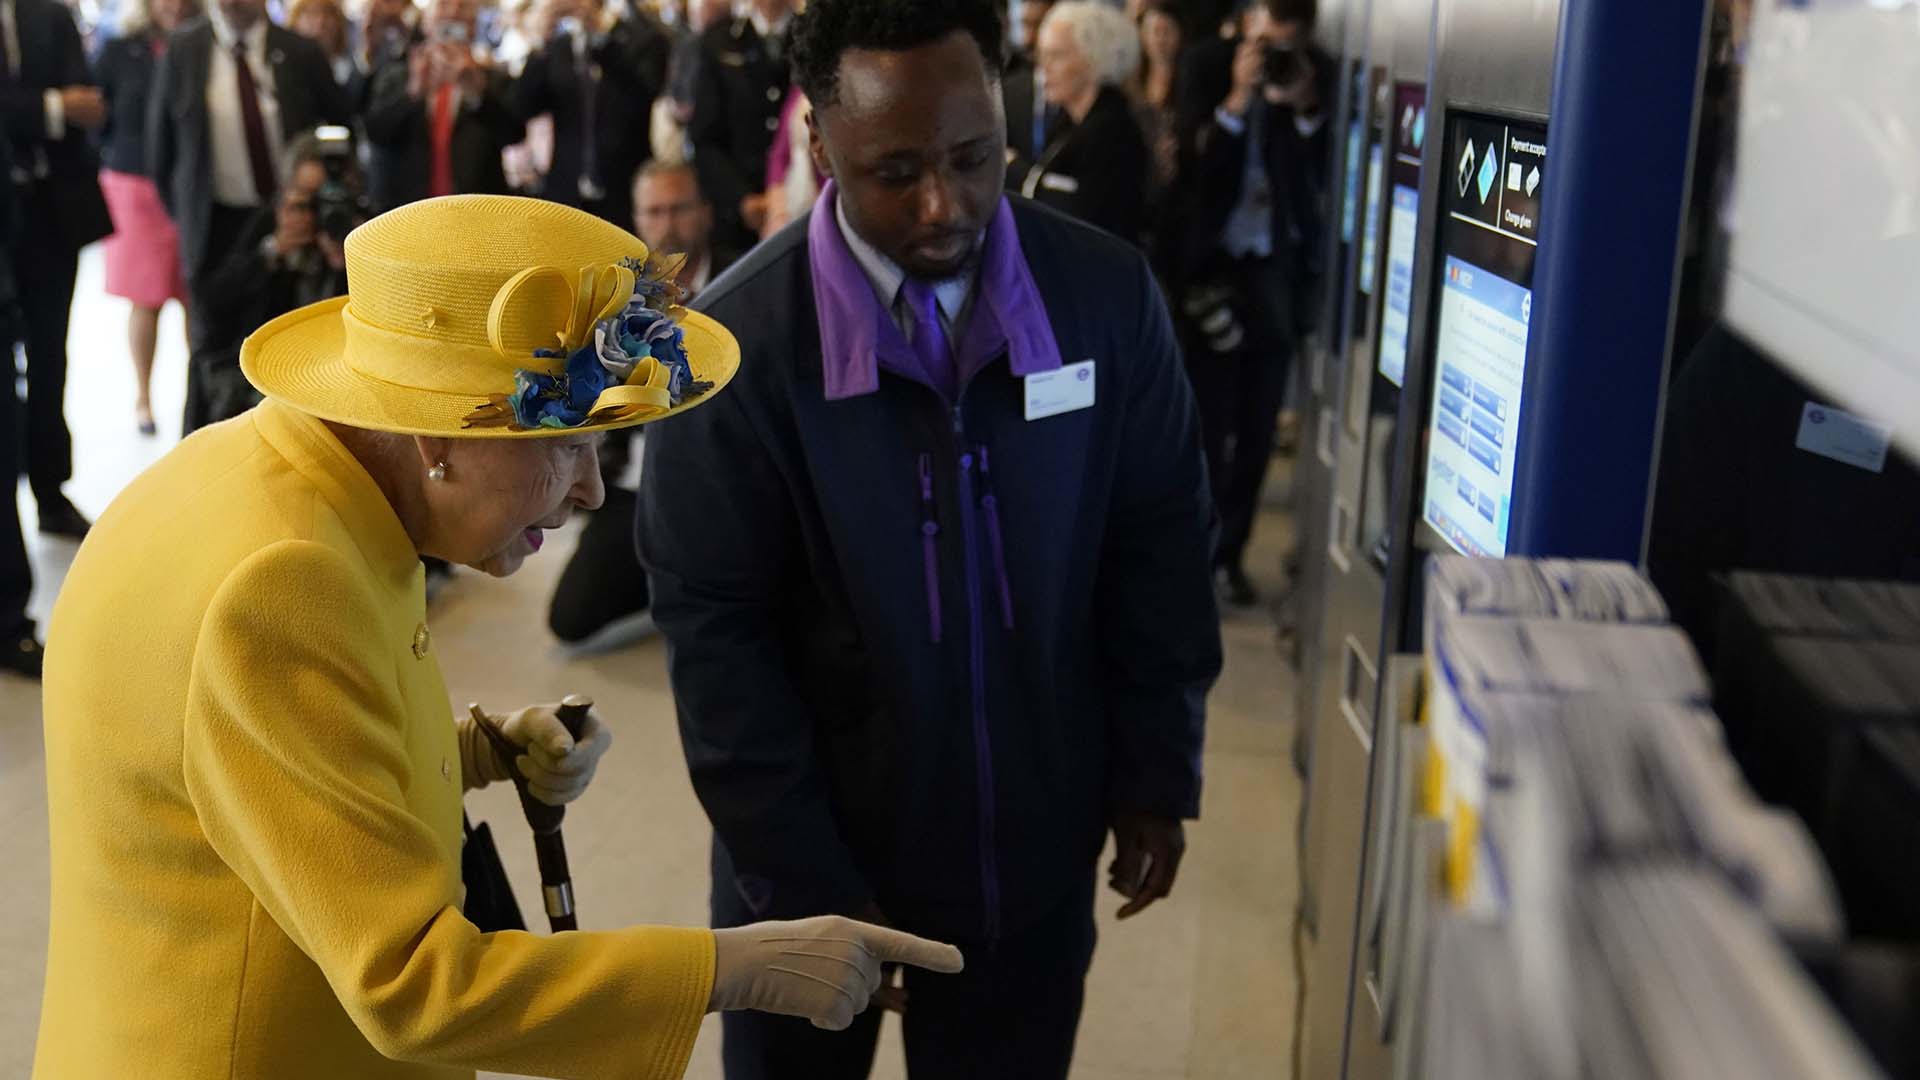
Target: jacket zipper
<point>930,546</point>
<point>977,663</point>
<point>991,507</point>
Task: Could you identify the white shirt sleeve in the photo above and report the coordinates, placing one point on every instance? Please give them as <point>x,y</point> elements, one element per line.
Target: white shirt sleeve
<point>56,115</point>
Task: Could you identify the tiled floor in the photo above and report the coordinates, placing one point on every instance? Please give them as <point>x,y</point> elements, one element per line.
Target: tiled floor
<point>1199,987</point>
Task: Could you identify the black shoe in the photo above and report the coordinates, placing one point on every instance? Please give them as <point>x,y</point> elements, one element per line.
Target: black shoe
<point>58,517</point>
<point>21,656</point>
<point>1240,591</point>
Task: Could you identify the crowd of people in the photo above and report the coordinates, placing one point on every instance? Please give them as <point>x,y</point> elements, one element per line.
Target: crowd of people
<point>939,564</point>
<point>224,154</point>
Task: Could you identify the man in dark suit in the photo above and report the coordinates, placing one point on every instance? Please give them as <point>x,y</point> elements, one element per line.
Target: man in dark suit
<point>439,120</point>
<point>1255,148</point>
<point>49,104</point>
<point>1029,119</point>
<point>737,100</point>
<point>19,648</point>
<point>230,91</point>
<point>598,83</point>
<point>913,682</point>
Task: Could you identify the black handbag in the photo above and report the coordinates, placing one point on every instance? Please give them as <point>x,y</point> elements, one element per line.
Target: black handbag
<point>490,904</point>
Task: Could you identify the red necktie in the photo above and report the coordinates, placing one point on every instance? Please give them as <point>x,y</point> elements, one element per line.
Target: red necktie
<point>258,156</point>
<point>440,135</point>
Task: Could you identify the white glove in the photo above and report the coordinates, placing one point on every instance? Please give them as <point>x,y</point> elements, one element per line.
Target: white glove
<point>557,768</point>
<point>824,969</point>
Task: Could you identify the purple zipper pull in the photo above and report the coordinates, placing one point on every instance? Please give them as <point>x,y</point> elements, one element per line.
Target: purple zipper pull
<point>930,546</point>
<point>991,505</point>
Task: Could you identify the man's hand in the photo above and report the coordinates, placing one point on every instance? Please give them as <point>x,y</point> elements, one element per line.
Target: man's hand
<point>753,211</point>
<point>83,107</point>
<point>293,227</point>
<point>1147,853</point>
<point>333,250</point>
<point>420,71</point>
<point>470,73</point>
<point>1249,74</point>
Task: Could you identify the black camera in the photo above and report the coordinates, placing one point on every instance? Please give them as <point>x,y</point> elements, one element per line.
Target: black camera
<point>339,206</point>
<point>1284,65</point>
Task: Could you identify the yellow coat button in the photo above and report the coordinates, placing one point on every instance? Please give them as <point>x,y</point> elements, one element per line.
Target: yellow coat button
<point>421,638</point>
<point>446,770</point>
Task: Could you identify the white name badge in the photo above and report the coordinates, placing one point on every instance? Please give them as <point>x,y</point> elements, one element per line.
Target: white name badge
<point>1843,437</point>
<point>1069,389</point>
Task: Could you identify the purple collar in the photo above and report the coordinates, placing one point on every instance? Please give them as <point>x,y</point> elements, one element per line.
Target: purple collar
<point>858,336</point>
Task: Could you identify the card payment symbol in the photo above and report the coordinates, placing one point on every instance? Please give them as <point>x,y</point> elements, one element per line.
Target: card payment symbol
<point>1465,176</point>
<point>1533,180</point>
<point>1489,173</point>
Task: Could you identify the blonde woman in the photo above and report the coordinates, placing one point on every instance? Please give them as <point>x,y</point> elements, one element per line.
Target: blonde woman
<point>324,22</point>
<point>143,254</point>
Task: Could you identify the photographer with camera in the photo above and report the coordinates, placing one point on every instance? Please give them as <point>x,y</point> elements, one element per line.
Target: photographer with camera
<point>598,78</point>
<point>439,121</point>
<point>291,254</point>
<point>1254,151</point>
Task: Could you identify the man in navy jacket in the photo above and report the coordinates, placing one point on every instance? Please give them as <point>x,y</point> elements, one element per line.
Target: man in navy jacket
<point>935,569</point>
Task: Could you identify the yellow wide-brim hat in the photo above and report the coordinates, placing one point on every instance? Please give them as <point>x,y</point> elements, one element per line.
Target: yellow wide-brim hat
<point>456,306</point>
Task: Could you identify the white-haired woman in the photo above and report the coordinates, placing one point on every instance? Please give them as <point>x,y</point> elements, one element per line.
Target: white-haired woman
<point>1096,165</point>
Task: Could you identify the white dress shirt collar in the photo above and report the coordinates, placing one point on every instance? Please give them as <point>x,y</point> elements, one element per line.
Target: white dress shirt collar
<point>888,277</point>
<point>255,36</point>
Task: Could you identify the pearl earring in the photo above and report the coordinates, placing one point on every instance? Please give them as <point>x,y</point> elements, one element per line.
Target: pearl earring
<point>438,472</point>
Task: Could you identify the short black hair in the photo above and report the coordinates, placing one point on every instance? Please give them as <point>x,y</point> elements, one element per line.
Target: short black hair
<point>1303,12</point>
<point>828,28</point>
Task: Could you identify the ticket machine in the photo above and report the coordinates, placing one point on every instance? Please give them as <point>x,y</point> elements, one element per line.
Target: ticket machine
<point>1504,394</point>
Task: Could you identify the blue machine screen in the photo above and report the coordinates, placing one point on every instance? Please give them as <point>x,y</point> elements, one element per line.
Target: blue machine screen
<point>1491,192</point>
<point>1398,309</point>
<point>1476,406</point>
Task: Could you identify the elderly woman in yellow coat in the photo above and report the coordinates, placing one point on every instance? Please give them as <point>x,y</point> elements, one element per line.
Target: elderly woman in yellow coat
<point>253,769</point>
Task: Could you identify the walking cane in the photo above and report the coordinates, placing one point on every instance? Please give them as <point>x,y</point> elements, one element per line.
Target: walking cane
<point>549,848</point>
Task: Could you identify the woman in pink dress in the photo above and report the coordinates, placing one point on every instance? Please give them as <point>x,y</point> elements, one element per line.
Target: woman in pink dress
<point>143,254</point>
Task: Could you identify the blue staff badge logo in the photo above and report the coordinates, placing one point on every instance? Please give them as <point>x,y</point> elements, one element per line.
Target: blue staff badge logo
<point>1465,174</point>
<point>1489,172</point>
<point>1085,374</point>
<point>1816,416</point>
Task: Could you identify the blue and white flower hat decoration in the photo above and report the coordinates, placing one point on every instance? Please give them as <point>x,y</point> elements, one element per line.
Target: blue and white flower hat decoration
<point>493,316</point>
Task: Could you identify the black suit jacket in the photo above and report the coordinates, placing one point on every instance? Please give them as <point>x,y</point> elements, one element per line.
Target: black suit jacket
<point>1095,170</point>
<point>397,127</point>
<point>737,98</point>
<point>125,68</point>
<point>179,148</point>
<point>632,58</point>
<point>1214,161</point>
<point>57,176</point>
<point>241,292</point>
